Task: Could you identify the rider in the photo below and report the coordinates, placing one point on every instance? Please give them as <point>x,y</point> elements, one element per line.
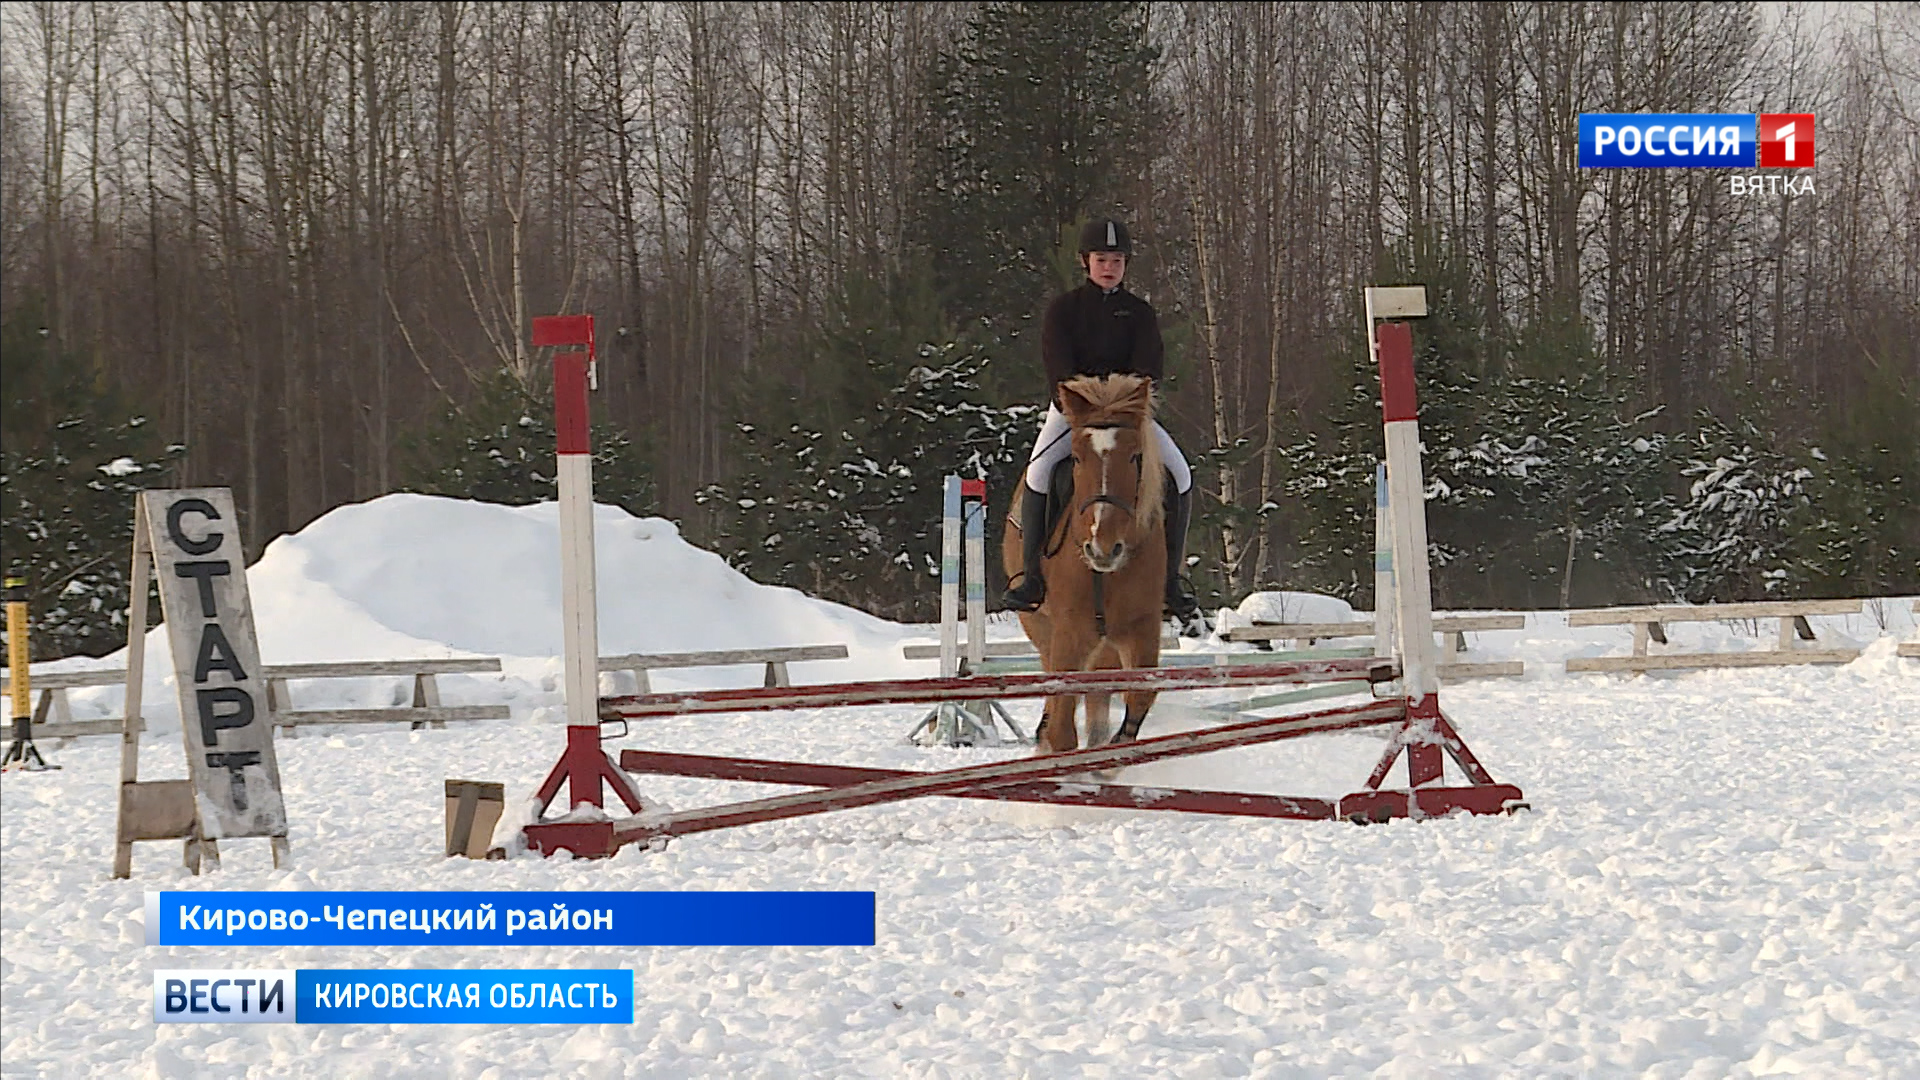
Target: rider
<point>1100,329</point>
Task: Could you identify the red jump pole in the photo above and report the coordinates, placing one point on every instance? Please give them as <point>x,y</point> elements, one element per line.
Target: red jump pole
<point>583,764</point>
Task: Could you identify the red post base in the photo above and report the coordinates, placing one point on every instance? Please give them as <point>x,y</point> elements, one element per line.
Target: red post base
<point>583,766</point>
<point>1367,807</point>
<point>586,839</point>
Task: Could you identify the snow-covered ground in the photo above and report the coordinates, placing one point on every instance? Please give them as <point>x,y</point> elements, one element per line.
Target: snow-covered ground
<point>1720,875</point>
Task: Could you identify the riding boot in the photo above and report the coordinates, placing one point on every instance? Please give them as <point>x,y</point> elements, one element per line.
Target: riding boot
<point>1182,605</point>
<point>1032,589</point>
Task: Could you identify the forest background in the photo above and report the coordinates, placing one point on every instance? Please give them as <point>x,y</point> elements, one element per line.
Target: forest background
<point>294,249</point>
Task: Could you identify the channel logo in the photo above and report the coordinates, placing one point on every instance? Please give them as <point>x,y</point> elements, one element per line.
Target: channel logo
<point>401,996</point>
<point>1786,140</point>
<point>252,996</point>
<point>1696,140</point>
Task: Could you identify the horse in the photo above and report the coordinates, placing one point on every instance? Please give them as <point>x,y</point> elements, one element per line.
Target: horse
<point>1105,562</point>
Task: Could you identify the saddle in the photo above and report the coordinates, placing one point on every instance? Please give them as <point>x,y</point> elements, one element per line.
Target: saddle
<point>1059,497</point>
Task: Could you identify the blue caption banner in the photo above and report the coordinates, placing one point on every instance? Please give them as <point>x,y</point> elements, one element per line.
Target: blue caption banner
<point>459,996</point>
<point>406,996</point>
<point>510,918</point>
<point>1667,140</point>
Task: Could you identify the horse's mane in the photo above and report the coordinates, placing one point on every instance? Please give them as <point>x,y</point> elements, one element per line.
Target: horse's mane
<point>1126,400</point>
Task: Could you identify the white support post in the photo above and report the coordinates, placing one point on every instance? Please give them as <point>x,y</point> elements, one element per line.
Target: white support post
<point>974,511</point>
<point>1385,595</point>
<point>963,514</point>
<point>578,614</point>
<point>950,579</point>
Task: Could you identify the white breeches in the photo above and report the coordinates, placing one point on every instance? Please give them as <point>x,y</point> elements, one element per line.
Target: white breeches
<point>1056,442</point>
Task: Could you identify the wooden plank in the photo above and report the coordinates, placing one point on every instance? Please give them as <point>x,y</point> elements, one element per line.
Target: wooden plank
<point>985,688</point>
<point>1910,649</point>
<point>643,827</point>
<point>999,649</point>
<point>1681,661</point>
<point>1766,609</point>
<point>1493,669</point>
<point>390,716</point>
<point>67,729</point>
<point>722,657</point>
<point>1444,624</point>
<point>66,680</point>
<point>1470,623</point>
<point>1297,631</point>
<point>1010,665</point>
<point>1055,792</point>
<point>1240,712</point>
<point>347,669</point>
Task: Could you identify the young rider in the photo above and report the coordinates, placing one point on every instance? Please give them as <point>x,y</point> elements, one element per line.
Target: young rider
<point>1100,329</point>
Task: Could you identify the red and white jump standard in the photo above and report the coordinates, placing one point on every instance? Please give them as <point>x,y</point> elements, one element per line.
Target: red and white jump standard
<point>1424,735</point>
<point>583,765</point>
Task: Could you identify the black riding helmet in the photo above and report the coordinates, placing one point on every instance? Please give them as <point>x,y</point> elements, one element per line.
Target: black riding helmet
<point>1105,234</point>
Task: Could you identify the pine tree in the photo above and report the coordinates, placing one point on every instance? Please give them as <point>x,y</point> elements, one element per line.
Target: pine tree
<point>839,495</point>
<point>499,447</point>
<point>75,456</point>
<point>1040,118</point>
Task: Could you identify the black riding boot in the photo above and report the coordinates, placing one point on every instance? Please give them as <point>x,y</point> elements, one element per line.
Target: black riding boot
<point>1032,589</point>
<point>1182,605</point>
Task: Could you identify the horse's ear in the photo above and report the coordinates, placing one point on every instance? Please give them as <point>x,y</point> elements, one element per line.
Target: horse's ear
<point>1076,407</point>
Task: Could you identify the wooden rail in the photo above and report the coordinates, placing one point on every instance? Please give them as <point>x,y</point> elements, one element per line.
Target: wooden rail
<point>1648,626</point>
<point>775,659</point>
<point>1452,628</point>
<point>987,688</point>
<point>1001,649</point>
<point>53,717</point>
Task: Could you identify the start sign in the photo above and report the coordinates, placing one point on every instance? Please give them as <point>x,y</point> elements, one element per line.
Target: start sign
<point>224,716</point>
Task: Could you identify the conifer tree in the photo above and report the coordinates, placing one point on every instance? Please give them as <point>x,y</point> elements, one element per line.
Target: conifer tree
<point>76,453</point>
<point>1041,117</point>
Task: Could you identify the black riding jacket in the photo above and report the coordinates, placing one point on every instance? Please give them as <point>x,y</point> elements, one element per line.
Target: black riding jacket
<point>1090,332</point>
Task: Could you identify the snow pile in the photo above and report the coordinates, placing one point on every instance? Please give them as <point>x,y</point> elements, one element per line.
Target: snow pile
<point>416,576</point>
<point>485,579</point>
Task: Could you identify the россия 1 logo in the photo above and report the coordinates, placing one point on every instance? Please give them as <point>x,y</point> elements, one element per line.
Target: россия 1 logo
<point>1696,140</point>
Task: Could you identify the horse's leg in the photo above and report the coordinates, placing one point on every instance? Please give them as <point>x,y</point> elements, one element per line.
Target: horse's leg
<point>1139,648</point>
<point>1056,734</point>
<point>1099,720</point>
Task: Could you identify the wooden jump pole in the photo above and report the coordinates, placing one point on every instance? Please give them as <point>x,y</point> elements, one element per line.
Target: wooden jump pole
<point>990,687</point>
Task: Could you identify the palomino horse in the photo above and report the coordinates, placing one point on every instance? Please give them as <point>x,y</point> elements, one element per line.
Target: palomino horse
<point>1105,563</point>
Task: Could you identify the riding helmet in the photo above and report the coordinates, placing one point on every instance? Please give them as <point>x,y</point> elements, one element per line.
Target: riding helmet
<point>1105,234</point>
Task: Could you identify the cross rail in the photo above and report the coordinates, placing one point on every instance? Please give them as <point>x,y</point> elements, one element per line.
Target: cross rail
<point>1059,792</point>
<point>642,828</point>
<point>987,688</point>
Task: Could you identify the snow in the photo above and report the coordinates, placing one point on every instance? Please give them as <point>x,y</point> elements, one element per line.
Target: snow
<point>1720,875</point>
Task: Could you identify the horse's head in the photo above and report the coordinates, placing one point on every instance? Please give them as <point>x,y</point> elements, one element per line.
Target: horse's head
<point>1117,474</point>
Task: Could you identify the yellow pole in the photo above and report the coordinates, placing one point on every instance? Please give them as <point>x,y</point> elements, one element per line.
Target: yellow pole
<point>17,652</point>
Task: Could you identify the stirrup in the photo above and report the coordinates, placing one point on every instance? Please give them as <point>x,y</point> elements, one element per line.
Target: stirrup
<point>1017,598</point>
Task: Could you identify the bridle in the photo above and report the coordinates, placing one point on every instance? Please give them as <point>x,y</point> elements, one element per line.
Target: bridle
<point>1100,576</point>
